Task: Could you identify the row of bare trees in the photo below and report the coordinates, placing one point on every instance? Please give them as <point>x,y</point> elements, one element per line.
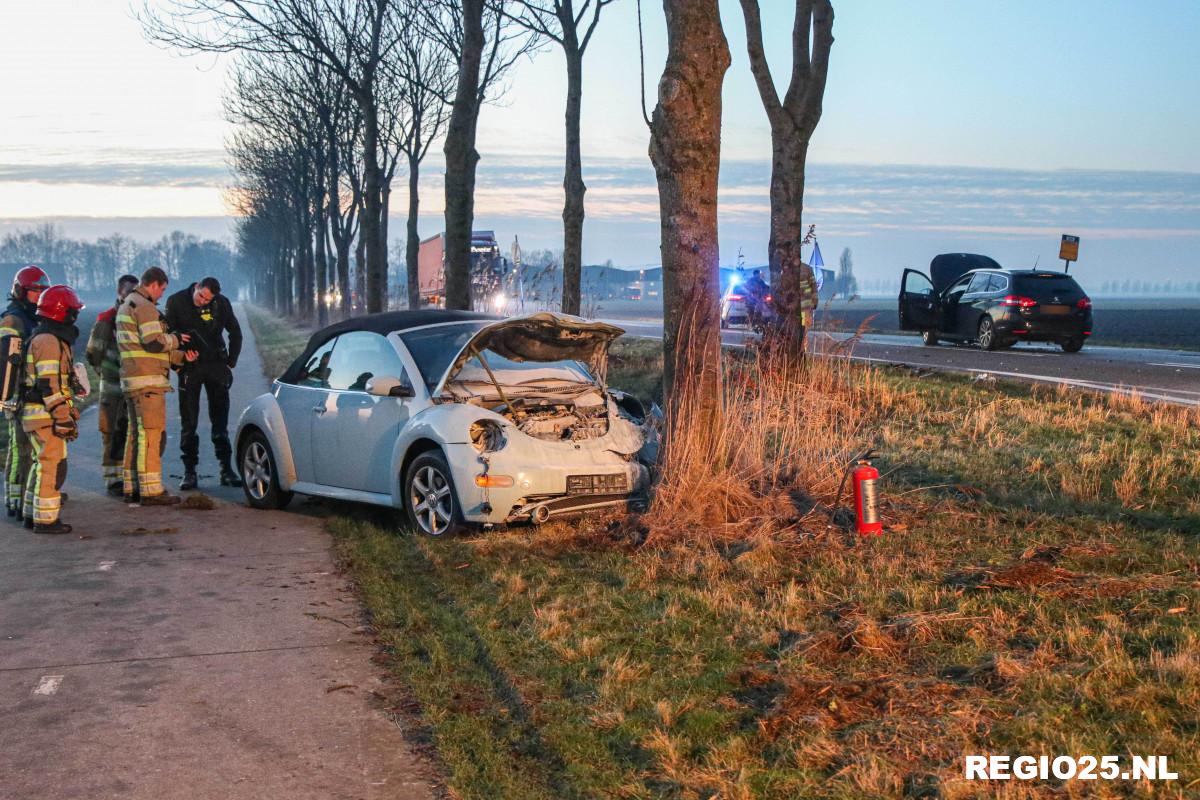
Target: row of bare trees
<point>332,98</point>
<point>94,266</point>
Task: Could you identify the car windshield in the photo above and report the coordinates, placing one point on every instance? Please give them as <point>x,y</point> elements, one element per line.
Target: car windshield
<point>523,375</point>
<point>434,348</point>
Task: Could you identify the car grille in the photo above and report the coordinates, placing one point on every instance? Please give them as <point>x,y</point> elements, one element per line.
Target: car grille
<point>615,483</point>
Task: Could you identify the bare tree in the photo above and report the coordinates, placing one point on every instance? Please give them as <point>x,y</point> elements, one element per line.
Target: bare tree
<point>685,148</point>
<point>484,44</point>
<point>793,120</point>
<point>349,37</point>
<point>560,22</point>
<point>423,74</point>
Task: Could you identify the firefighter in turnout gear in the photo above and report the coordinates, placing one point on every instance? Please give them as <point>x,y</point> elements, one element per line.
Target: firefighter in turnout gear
<point>16,326</point>
<point>147,351</point>
<point>49,416</point>
<point>105,358</point>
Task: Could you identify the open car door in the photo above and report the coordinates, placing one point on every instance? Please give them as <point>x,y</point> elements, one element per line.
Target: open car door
<point>920,309</point>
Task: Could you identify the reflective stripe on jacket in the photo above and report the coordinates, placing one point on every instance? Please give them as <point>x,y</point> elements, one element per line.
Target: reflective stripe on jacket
<point>48,374</point>
<point>147,350</point>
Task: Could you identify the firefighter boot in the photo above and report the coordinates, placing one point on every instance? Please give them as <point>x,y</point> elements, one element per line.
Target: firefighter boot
<point>189,481</point>
<point>28,521</point>
<point>228,476</point>
<point>58,526</point>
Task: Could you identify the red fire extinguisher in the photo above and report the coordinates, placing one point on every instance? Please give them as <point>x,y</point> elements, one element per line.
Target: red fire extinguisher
<point>866,510</point>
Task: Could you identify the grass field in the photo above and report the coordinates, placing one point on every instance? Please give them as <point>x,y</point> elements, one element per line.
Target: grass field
<point>1035,592</point>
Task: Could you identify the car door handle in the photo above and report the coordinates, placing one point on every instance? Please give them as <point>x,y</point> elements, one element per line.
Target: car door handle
<point>319,409</point>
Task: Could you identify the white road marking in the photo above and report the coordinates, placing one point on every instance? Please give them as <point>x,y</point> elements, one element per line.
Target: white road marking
<point>1166,364</point>
<point>105,566</point>
<point>48,685</point>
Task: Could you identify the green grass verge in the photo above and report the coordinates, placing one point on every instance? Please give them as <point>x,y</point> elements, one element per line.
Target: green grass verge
<point>1036,592</point>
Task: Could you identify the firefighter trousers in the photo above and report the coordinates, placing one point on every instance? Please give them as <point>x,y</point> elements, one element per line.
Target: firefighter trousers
<point>114,424</point>
<point>17,457</point>
<point>46,476</point>
<point>141,472</point>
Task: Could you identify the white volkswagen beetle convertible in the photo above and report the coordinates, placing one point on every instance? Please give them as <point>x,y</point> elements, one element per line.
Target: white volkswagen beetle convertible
<point>455,417</point>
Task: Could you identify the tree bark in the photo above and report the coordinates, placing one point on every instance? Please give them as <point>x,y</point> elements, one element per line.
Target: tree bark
<point>413,242</point>
<point>462,159</point>
<point>573,186</point>
<point>793,120</point>
<point>376,267</point>
<point>685,148</point>
<point>360,267</point>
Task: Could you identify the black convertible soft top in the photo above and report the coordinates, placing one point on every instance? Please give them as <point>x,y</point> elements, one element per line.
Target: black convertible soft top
<point>383,323</point>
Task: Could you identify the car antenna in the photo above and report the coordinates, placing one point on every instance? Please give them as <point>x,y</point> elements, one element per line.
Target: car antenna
<point>1036,260</point>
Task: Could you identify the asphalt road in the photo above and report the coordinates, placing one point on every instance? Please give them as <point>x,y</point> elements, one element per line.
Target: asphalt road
<point>167,653</point>
<point>1165,375</point>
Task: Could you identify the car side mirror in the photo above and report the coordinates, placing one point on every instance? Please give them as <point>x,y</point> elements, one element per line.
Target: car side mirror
<point>387,386</point>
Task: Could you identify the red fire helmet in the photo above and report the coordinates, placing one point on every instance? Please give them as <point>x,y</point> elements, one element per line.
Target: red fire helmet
<point>58,302</point>
<point>30,278</point>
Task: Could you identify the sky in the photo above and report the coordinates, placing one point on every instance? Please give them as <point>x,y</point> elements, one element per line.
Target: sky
<point>969,125</point>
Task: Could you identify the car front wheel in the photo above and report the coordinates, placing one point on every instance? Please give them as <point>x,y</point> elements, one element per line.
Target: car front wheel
<point>260,475</point>
<point>987,334</point>
<point>429,496</point>
<point>929,338</point>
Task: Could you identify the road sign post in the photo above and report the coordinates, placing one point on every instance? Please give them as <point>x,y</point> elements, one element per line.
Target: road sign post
<point>1068,251</point>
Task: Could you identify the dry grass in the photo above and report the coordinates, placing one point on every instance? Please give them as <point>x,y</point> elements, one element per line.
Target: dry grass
<point>1035,591</point>
<point>789,429</point>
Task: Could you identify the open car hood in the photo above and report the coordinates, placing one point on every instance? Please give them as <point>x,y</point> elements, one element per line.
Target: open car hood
<point>949,267</point>
<point>544,336</point>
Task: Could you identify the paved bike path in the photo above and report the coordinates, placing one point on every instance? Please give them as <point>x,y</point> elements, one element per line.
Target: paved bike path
<point>211,654</point>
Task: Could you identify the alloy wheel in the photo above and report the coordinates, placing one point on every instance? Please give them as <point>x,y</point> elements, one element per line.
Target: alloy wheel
<point>431,500</point>
<point>987,334</point>
<point>256,470</point>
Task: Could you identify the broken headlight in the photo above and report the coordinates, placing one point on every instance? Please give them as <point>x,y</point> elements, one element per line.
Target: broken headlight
<point>487,435</point>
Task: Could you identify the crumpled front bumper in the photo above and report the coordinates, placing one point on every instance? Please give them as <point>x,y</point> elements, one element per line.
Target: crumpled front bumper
<point>539,471</point>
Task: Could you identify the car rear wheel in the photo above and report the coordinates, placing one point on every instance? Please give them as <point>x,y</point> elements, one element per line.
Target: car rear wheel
<point>1071,345</point>
<point>987,334</point>
<point>929,338</point>
<point>260,475</point>
<point>429,496</point>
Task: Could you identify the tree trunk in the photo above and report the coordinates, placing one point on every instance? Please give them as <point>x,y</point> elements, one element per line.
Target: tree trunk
<point>461,160</point>
<point>791,281</point>
<point>573,185</point>
<point>341,237</point>
<point>360,267</point>
<point>384,209</point>
<point>322,271</point>
<point>685,148</point>
<point>372,219</point>
<point>412,245</point>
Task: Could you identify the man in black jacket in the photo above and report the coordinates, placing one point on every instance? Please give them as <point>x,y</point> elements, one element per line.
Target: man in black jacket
<point>203,312</point>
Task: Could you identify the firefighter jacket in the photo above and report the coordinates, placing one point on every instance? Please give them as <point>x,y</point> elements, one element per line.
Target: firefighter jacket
<point>147,349</point>
<point>48,373</point>
<point>103,355</point>
<point>16,326</point>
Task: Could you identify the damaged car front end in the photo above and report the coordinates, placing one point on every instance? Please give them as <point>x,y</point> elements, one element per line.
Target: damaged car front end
<point>546,437</point>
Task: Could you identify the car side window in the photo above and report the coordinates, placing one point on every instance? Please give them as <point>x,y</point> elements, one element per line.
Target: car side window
<point>960,286</point>
<point>998,283</point>
<point>360,356</point>
<point>979,283</point>
<point>315,373</point>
